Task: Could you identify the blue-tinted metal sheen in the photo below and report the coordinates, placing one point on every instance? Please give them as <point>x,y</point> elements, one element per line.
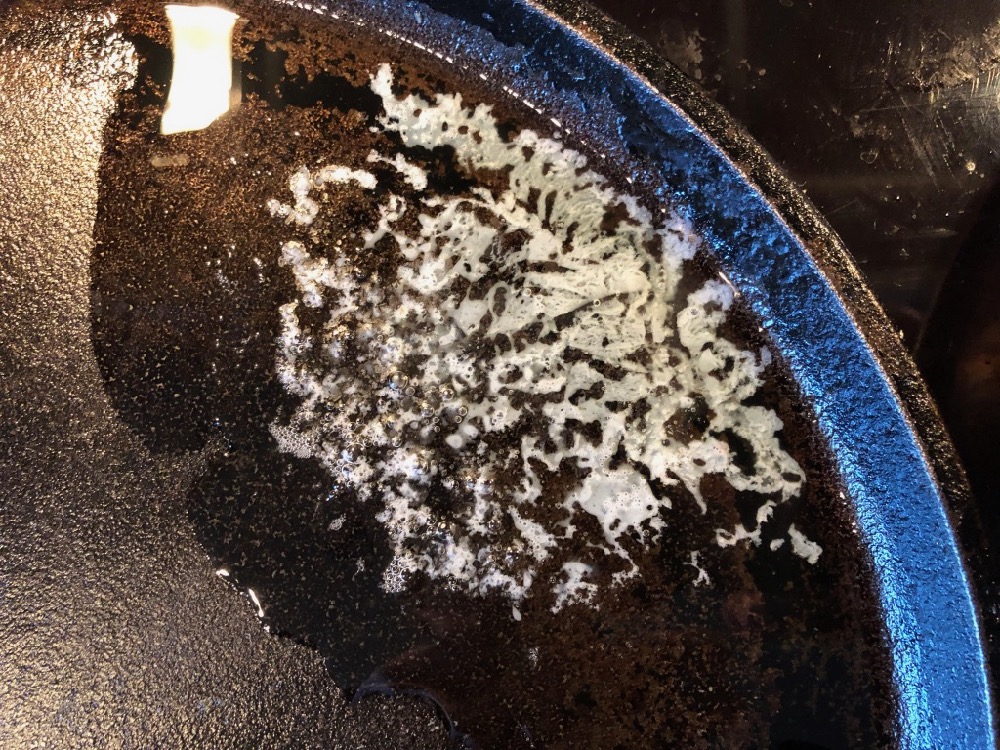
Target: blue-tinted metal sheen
<point>800,281</point>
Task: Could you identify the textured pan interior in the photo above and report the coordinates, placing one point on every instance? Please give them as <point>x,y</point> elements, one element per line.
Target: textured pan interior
<point>899,463</point>
<point>61,446</point>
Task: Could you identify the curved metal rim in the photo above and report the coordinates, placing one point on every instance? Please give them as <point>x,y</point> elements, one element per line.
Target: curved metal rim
<point>938,704</point>
<point>932,619</point>
<point>893,452</point>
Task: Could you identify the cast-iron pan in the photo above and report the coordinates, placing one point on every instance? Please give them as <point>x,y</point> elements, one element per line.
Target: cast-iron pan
<point>134,484</point>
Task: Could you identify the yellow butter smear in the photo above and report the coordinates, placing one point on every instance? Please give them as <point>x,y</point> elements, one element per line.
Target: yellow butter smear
<point>514,313</point>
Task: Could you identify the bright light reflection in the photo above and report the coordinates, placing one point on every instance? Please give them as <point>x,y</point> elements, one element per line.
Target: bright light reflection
<point>203,69</point>
<point>256,602</point>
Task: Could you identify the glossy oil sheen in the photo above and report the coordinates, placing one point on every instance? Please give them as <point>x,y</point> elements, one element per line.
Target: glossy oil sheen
<point>217,311</point>
<point>769,267</point>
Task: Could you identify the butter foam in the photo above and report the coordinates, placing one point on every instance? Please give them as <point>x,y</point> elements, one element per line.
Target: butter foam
<point>519,337</point>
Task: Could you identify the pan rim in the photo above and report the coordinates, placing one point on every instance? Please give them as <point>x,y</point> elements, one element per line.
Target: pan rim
<point>904,477</point>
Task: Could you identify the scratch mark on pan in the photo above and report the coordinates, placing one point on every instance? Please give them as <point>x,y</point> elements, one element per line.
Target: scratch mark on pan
<point>919,148</point>
<point>841,208</point>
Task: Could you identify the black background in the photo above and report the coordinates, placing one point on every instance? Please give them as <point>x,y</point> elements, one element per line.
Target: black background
<point>887,116</point>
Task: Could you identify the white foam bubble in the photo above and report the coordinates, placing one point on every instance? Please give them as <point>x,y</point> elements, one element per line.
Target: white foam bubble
<point>572,588</point>
<point>703,578</point>
<point>623,504</point>
<point>801,546</point>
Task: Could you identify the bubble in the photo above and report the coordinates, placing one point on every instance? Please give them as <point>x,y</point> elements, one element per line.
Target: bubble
<point>335,350</point>
<point>458,420</point>
<point>462,411</point>
<point>410,390</point>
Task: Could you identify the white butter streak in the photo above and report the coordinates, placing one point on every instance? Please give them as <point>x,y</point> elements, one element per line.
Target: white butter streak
<point>470,343</point>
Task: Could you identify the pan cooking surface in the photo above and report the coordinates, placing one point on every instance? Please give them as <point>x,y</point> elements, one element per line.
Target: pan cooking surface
<point>469,422</point>
<point>390,398</point>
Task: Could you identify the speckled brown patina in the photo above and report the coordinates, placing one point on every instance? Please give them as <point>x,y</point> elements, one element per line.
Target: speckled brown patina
<point>185,289</point>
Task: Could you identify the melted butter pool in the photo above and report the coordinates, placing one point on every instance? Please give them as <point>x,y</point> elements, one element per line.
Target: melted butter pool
<point>481,423</point>
<point>531,329</point>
